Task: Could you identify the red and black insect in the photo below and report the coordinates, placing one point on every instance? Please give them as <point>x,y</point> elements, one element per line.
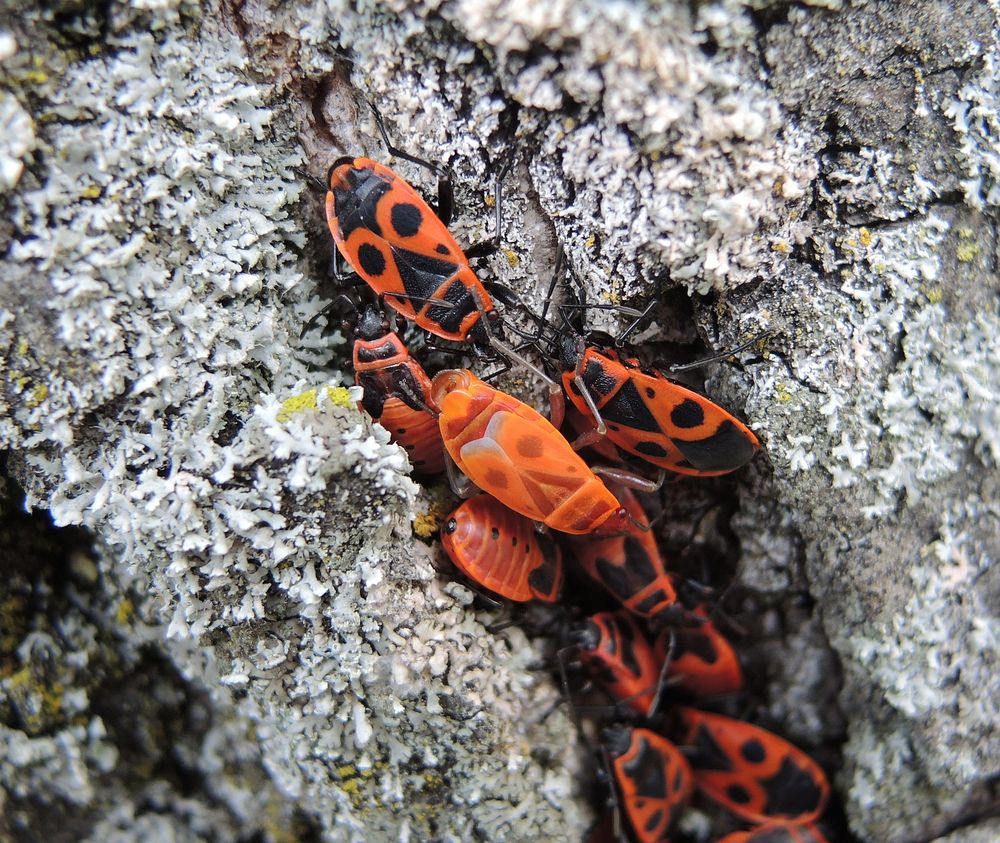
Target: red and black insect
<point>390,236</point>
<point>630,567</point>
<point>397,391</point>
<point>502,551</point>
<point>751,772</point>
<point>403,250</point>
<point>702,662</point>
<point>645,414</point>
<point>653,780</point>
<point>777,833</point>
<point>616,652</point>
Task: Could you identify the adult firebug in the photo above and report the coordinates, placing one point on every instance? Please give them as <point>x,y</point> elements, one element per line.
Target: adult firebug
<point>645,414</point>
<point>702,662</point>
<point>617,653</point>
<point>750,771</point>
<point>653,780</point>
<point>390,236</point>
<point>630,567</point>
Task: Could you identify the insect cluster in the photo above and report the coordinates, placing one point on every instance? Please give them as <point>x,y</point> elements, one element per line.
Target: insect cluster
<point>534,503</point>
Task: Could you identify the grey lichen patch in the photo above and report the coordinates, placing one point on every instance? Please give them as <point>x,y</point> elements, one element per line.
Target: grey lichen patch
<point>161,390</point>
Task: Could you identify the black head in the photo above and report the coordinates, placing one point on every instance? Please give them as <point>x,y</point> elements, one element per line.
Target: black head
<point>344,159</point>
<point>571,348</point>
<point>368,324</point>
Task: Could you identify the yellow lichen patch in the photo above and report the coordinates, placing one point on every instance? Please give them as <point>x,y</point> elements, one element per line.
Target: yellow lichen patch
<point>781,393</point>
<point>37,395</point>
<point>967,251</point>
<point>124,612</point>
<point>935,296</point>
<point>426,524</point>
<point>91,192</point>
<point>490,201</point>
<point>339,396</point>
<point>296,404</point>
<point>22,346</point>
<point>781,246</point>
<point>512,258</point>
<point>591,241</point>
<point>865,236</point>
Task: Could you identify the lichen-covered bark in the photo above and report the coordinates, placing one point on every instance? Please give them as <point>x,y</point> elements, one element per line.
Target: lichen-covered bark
<point>826,172</point>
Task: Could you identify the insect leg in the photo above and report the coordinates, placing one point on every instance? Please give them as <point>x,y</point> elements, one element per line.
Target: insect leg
<point>461,485</point>
<point>446,193</point>
<point>662,678</point>
<point>488,247</point>
<point>631,479</point>
<point>722,355</point>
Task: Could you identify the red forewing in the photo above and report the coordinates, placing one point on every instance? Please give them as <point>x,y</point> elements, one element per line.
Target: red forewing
<point>660,421</point>
<point>755,774</point>
<point>653,780</point>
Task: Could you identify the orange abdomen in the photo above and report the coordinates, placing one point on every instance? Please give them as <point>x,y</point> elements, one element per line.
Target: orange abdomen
<point>417,432</point>
<point>502,551</point>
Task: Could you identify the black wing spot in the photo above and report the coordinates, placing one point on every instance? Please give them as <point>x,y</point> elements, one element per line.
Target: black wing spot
<point>688,414</point>
<point>647,772</point>
<point>791,791</point>
<point>738,794</point>
<point>441,249</point>
<point>371,259</point>
<point>695,643</point>
<point>494,533</point>
<point>406,219</point>
<point>651,449</point>
<point>627,408</point>
<point>753,750</point>
<point>654,820</point>
<point>632,576</point>
<point>650,392</point>
<point>725,450</point>
<point>422,275</point>
<point>543,579</point>
<point>708,755</point>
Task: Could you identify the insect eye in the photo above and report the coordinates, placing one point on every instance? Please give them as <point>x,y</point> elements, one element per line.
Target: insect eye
<point>451,526</point>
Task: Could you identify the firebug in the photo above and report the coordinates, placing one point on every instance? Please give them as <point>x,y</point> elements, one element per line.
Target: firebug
<point>653,780</point>
<point>511,451</point>
<point>751,772</point>
<point>502,551</point>
<point>630,567</point>
<point>645,414</point>
<point>397,391</point>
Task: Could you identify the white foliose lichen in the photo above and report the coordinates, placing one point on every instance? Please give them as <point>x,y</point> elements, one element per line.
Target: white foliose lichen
<point>163,397</point>
<point>908,432</point>
<point>976,116</point>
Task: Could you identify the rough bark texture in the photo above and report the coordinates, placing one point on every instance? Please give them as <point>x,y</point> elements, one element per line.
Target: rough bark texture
<point>249,640</point>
